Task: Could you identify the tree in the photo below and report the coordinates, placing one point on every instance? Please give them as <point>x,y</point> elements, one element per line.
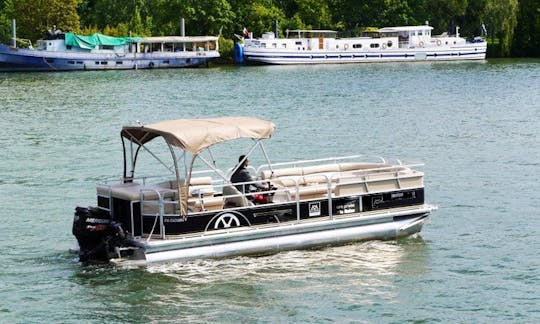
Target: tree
<point>34,17</point>
<point>471,23</point>
<point>402,13</point>
<point>5,21</point>
<point>444,14</point>
<point>502,19</point>
<point>527,36</point>
<point>258,16</point>
<point>352,14</point>
<point>202,17</point>
<point>314,14</point>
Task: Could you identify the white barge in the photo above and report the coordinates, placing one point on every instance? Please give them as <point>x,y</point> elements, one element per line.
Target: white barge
<point>389,44</point>
<point>192,213</point>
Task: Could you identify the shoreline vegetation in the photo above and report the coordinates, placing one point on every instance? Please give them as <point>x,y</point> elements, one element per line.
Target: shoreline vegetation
<point>512,26</point>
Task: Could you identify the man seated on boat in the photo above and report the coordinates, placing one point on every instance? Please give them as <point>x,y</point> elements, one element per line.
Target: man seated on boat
<point>241,175</point>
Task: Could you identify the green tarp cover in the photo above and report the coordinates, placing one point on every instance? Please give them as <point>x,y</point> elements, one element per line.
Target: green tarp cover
<point>94,40</point>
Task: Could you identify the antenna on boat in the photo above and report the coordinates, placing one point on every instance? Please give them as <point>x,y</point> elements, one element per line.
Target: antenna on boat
<point>139,123</point>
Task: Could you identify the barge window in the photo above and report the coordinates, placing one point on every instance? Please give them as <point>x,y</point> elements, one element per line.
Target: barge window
<point>104,62</point>
<point>357,46</point>
<point>119,62</point>
<point>168,47</point>
<point>374,45</point>
<point>166,62</point>
<point>71,62</point>
<point>298,43</point>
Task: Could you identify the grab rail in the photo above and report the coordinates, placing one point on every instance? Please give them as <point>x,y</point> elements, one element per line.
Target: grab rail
<point>159,215</point>
<point>295,164</point>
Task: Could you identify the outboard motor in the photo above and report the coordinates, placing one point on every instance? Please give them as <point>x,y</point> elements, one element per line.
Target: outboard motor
<point>98,236</point>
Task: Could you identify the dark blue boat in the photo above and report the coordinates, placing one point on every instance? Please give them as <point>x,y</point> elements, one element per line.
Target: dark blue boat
<point>67,51</point>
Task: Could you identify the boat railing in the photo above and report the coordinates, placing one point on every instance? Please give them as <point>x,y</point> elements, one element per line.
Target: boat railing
<point>152,204</point>
<point>295,164</point>
<point>220,195</point>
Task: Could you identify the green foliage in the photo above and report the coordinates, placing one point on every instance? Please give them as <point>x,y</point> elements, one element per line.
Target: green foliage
<point>5,21</point>
<point>226,50</point>
<point>527,34</point>
<point>260,17</point>
<point>514,24</point>
<point>502,18</point>
<point>314,14</point>
<point>34,17</point>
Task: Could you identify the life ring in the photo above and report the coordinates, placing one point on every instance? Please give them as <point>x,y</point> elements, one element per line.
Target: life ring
<point>383,45</point>
<point>438,42</point>
<point>346,46</point>
<point>421,44</point>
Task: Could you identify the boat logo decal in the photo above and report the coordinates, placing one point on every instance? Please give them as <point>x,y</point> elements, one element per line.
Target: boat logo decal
<point>346,208</point>
<point>226,220</point>
<point>314,209</point>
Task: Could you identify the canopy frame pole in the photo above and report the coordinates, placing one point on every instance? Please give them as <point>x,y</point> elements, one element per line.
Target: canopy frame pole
<point>257,143</point>
<point>134,139</point>
<point>183,192</point>
<point>131,160</point>
<point>157,158</point>
<point>183,207</point>
<point>214,168</point>
<point>212,156</point>
<point>267,159</point>
<point>178,157</point>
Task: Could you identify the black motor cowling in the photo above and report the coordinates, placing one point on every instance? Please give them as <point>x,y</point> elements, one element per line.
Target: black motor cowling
<point>97,234</point>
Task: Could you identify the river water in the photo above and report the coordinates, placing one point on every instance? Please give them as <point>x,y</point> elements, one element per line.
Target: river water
<point>476,127</point>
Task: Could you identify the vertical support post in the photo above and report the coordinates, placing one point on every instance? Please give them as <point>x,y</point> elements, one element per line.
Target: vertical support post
<point>182,27</point>
<point>14,30</point>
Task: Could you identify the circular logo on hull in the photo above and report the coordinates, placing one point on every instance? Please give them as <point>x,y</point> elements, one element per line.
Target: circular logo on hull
<point>226,220</point>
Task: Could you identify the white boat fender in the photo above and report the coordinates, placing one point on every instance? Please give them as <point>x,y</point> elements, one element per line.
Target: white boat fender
<point>346,46</point>
<point>421,44</point>
<point>383,45</point>
<point>438,42</point>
